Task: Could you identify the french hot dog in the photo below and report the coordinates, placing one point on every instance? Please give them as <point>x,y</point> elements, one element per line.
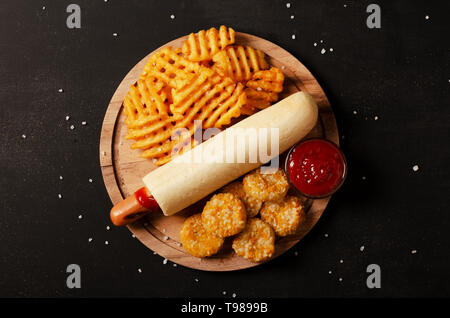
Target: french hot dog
<point>181,182</point>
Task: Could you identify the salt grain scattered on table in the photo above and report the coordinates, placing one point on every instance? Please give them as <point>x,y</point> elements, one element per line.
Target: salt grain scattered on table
<point>363,177</point>
<point>139,270</point>
<point>331,49</point>
<point>172,16</point>
<point>80,216</point>
<point>323,51</point>
<point>415,168</point>
<point>90,239</point>
<point>106,242</point>
<point>427,17</point>
<point>133,236</point>
<point>234,295</point>
<point>224,293</point>
<point>361,248</point>
<point>114,34</point>
<point>165,261</point>
<point>288,5</point>
<point>166,238</point>
<point>174,265</point>
<point>326,235</point>
<point>60,90</point>
<point>341,261</point>
<point>292,17</point>
<point>24,136</point>
<point>355,112</point>
<point>83,123</point>
<point>107,227</point>
<point>295,253</point>
<point>321,41</point>
<point>72,127</point>
<point>413,251</point>
<point>293,36</point>
<point>329,272</point>
<point>376,118</point>
<point>67,118</point>
<point>60,196</point>
<point>43,8</point>
<point>196,279</point>
<point>315,44</point>
<point>60,177</point>
<point>340,279</point>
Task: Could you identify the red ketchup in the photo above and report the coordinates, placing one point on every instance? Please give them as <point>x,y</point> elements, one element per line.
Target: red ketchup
<point>145,199</point>
<point>316,167</point>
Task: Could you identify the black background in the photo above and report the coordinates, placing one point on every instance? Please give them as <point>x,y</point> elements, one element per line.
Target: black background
<point>399,73</point>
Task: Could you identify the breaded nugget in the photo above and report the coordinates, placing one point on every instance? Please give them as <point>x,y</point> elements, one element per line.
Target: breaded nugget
<point>284,216</point>
<point>224,215</point>
<point>270,186</point>
<point>196,240</point>
<point>256,243</point>
<point>252,204</point>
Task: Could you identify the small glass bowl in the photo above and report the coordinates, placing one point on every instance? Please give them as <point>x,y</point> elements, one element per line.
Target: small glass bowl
<point>286,163</point>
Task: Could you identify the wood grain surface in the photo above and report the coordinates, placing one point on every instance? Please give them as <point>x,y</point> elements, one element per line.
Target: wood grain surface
<point>123,169</point>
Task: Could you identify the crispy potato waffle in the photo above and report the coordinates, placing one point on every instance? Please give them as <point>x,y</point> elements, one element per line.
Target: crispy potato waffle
<point>285,216</point>
<point>196,240</point>
<point>252,204</point>
<point>270,186</point>
<point>224,215</point>
<point>203,45</point>
<point>239,62</point>
<point>256,243</point>
<point>263,88</point>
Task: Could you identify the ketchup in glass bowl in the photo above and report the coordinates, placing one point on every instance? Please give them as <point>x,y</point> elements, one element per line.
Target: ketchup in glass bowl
<point>316,167</point>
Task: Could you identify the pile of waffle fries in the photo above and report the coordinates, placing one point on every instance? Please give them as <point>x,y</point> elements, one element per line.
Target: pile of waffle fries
<point>208,79</point>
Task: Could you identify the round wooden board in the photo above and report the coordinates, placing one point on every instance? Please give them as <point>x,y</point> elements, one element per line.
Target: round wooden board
<point>123,169</point>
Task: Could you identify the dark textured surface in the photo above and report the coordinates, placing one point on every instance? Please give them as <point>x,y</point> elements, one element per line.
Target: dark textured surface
<point>399,73</point>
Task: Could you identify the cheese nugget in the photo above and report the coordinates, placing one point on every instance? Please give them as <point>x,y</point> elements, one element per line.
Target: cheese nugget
<point>252,204</point>
<point>284,217</point>
<point>269,186</point>
<point>224,215</point>
<point>196,240</point>
<point>256,243</point>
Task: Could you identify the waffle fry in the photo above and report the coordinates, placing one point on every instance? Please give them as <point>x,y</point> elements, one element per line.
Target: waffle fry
<point>171,68</point>
<point>269,80</point>
<point>239,62</point>
<point>263,88</point>
<point>203,45</point>
<point>215,102</point>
